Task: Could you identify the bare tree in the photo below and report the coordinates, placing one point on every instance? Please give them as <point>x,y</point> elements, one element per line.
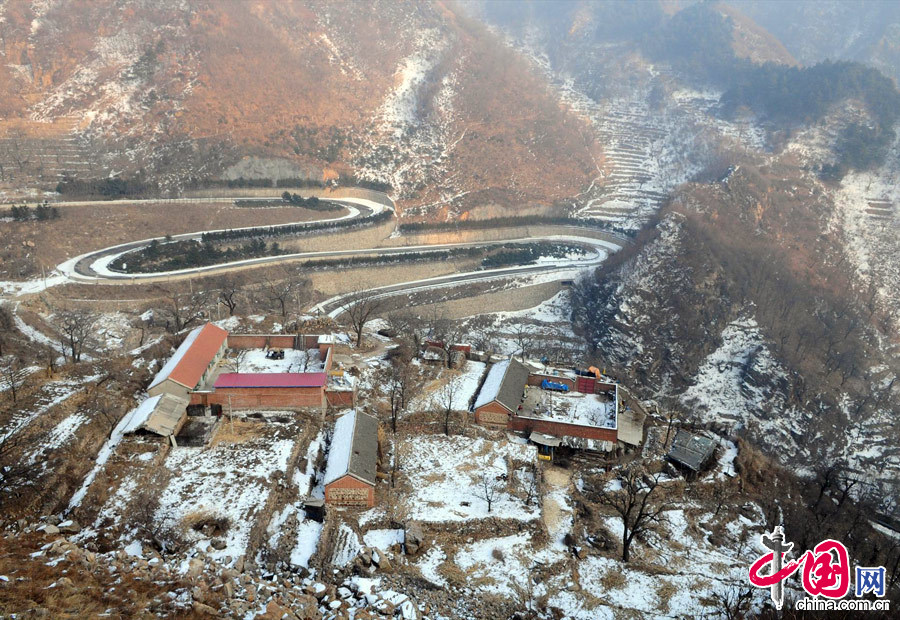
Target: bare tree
<point>398,384</point>
<point>488,486</point>
<point>103,409</point>
<point>13,376</point>
<point>723,494</point>
<point>408,328</point>
<point>162,536</point>
<point>228,293</point>
<point>484,340</point>
<point>15,473</point>
<point>732,603</point>
<point>358,313</point>
<point>444,334</point>
<point>183,310</point>
<point>239,357</point>
<point>16,150</point>
<point>284,287</point>
<point>74,330</point>
<point>445,399</point>
<point>528,485</point>
<point>524,340</point>
<point>636,500</point>
<point>7,324</point>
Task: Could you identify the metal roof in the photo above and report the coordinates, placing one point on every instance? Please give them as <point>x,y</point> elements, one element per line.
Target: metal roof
<point>692,451</point>
<point>544,440</point>
<point>270,380</point>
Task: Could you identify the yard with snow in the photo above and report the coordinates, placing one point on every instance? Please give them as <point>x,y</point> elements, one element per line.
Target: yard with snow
<point>571,407</point>
<point>229,481</point>
<point>295,360</point>
<point>459,386</point>
<point>443,478</point>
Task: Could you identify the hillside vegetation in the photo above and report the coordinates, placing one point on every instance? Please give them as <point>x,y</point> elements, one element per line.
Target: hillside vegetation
<point>739,311</point>
<point>412,96</point>
<point>698,41</point>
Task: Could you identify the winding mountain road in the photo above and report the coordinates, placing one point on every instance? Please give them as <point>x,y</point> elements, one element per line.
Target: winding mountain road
<point>94,267</point>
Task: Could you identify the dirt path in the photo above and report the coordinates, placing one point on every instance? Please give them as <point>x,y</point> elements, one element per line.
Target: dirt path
<point>557,511</point>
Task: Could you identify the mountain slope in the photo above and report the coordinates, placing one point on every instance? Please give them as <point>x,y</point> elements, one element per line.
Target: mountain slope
<point>740,311</point>
<point>410,94</point>
<point>815,30</point>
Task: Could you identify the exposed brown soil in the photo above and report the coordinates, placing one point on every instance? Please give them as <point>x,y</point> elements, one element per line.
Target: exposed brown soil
<point>80,229</point>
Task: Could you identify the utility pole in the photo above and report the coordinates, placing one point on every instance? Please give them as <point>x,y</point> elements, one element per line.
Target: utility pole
<point>230,415</point>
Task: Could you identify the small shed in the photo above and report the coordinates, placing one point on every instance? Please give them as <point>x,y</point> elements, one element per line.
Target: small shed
<point>162,415</point>
<point>546,444</point>
<point>501,393</point>
<point>691,451</point>
<point>350,473</point>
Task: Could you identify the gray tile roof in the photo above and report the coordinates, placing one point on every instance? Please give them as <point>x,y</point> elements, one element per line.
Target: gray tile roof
<point>692,451</point>
<point>354,448</point>
<point>513,385</point>
<point>364,450</point>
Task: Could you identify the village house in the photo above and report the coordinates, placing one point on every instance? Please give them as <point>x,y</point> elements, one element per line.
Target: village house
<point>295,372</point>
<point>163,415</point>
<point>557,408</point>
<point>501,394</point>
<point>691,451</point>
<point>269,390</point>
<point>350,473</point>
<point>192,362</point>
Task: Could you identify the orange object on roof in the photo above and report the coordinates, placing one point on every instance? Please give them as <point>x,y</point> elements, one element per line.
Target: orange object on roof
<point>193,357</point>
<point>594,370</point>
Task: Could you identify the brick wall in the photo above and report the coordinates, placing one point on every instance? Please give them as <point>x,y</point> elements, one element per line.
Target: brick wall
<point>327,356</point>
<point>364,493</point>
<point>591,385</point>
<point>534,379</point>
<point>264,398</point>
<point>344,398</point>
<point>260,341</point>
<point>492,415</point>
<point>168,387</point>
<point>561,429</point>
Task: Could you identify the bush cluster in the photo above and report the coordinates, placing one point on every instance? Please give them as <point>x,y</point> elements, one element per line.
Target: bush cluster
<point>41,213</point>
<point>502,222</point>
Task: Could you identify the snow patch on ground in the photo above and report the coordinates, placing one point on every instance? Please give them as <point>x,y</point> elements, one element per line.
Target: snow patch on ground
<point>443,475</point>
<point>228,481</point>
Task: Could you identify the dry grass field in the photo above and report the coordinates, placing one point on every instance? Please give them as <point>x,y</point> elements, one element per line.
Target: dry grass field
<point>31,245</point>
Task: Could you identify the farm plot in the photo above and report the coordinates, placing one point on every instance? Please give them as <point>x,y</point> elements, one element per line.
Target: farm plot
<point>446,476</point>
<point>46,397</point>
<point>220,492</point>
<point>291,531</point>
<point>459,387</point>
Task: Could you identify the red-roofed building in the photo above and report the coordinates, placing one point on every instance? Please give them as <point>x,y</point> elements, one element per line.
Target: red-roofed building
<point>266,390</point>
<point>192,362</point>
<point>191,372</point>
